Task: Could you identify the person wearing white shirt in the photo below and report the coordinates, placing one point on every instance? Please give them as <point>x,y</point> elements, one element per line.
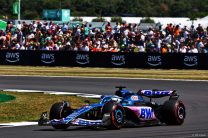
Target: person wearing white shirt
<point>183,49</point>
<point>85,47</point>
<point>17,46</point>
<point>22,47</point>
<point>126,32</point>
<point>34,27</point>
<point>19,25</point>
<point>199,45</point>
<point>45,48</point>
<point>117,29</point>
<point>158,44</point>
<point>78,31</point>
<point>193,49</point>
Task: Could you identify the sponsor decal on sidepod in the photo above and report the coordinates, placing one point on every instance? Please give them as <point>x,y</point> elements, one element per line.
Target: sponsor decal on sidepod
<point>147,113</point>
<point>143,112</point>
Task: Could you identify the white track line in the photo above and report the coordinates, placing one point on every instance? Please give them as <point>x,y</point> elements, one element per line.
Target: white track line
<point>15,124</point>
<point>90,96</point>
<point>55,93</point>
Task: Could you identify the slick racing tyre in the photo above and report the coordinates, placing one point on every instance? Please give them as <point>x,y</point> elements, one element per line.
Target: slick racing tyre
<point>115,113</point>
<point>173,112</point>
<point>58,111</point>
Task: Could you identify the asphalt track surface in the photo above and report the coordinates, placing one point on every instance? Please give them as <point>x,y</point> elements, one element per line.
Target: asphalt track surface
<point>194,94</point>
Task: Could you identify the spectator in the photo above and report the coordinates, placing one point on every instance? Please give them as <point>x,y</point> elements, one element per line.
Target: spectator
<point>193,49</point>
<point>183,49</point>
<point>117,31</point>
<point>199,29</point>
<point>19,25</point>
<point>108,28</point>
<point>177,31</point>
<point>199,45</point>
<point>39,35</point>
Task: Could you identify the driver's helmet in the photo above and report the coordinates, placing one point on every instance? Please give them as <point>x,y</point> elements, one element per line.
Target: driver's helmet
<point>119,93</point>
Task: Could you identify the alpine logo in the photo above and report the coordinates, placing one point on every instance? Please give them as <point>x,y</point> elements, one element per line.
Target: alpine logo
<point>118,60</point>
<point>190,61</point>
<point>154,60</point>
<point>12,57</point>
<point>83,59</point>
<point>47,58</point>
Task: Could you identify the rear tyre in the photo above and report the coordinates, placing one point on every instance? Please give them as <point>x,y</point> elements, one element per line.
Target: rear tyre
<point>58,111</point>
<point>116,115</point>
<point>173,112</point>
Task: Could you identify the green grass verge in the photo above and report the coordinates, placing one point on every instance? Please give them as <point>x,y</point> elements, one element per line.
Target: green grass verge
<point>29,106</point>
<point>105,72</point>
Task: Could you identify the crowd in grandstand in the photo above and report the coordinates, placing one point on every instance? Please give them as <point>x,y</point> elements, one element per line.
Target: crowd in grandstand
<point>122,37</point>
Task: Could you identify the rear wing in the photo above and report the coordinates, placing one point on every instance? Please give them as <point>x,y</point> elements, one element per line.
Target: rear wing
<point>158,93</point>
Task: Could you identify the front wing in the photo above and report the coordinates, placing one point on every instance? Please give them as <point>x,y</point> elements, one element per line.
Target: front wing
<point>75,122</point>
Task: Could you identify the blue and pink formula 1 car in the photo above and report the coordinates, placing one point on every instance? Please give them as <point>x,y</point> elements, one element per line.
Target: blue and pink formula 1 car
<point>125,108</point>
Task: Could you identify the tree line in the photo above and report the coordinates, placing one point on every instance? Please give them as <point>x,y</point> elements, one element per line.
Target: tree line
<point>32,9</point>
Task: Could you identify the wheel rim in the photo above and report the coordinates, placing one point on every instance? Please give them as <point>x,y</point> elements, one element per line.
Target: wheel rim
<point>119,116</point>
<point>181,112</point>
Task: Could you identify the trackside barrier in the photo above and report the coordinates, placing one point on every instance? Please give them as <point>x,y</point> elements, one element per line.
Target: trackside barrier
<point>105,59</point>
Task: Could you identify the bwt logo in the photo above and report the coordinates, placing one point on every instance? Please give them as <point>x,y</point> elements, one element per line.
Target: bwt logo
<point>150,93</point>
<point>47,58</point>
<point>12,57</point>
<point>82,59</point>
<point>154,60</point>
<point>190,61</point>
<point>147,113</point>
<point>118,60</point>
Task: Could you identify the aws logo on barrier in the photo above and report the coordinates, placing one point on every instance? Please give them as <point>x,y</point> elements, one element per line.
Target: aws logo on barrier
<point>47,58</point>
<point>190,61</point>
<point>12,57</point>
<point>82,59</point>
<point>118,60</point>
<point>154,61</point>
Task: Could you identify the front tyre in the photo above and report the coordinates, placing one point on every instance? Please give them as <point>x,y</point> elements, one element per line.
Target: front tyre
<point>115,113</point>
<point>173,112</point>
<point>58,111</point>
